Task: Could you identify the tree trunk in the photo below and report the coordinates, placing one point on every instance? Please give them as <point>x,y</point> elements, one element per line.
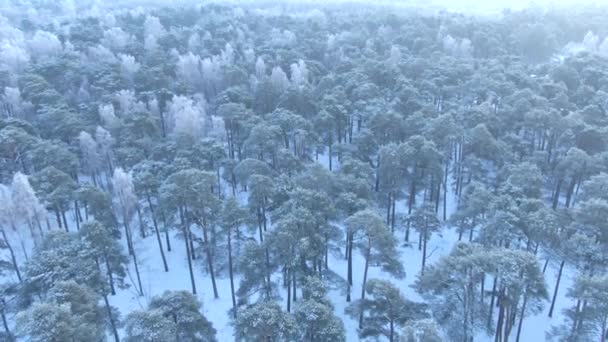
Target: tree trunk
<point>4,321</point>
<point>167,239</point>
<point>230,272</point>
<point>110,276</point>
<point>492,300</point>
<point>570,192</point>
<point>500,322</point>
<point>157,232</point>
<point>557,193</point>
<point>483,285</point>
<point>410,204</point>
<point>111,318</point>
<point>295,286</point>
<point>12,253</point>
<point>260,226</point>
<point>521,318</point>
<point>557,281</point>
<point>288,290</point>
<point>391,337</point>
<point>424,244</point>
<point>65,221</point>
<point>388,210</point>
<point>77,216</point>
<point>58,218</point>
<point>445,191</point>
<point>209,258</point>
<point>142,228</point>
<point>367,255</point>
<point>393,214</point>
<point>329,156</point>
<point>141,289</point>
<point>186,234</point>
<point>350,266</point>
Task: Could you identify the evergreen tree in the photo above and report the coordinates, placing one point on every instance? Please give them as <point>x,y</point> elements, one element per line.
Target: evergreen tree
<point>377,245</point>
<point>314,314</point>
<point>264,321</point>
<point>149,326</point>
<point>386,310</point>
<point>184,310</point>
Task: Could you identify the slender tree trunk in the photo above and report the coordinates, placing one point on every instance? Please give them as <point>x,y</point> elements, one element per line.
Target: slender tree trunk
<point>391,337</point>
<point>424,244</point>
<point>329,156</point>
<point>557,193</point>
<point>77,216</point>
<point>500,322</point>
<point>231,273</point>
<point>142,228</point>
<point>483,285</point>
<point>411,201</point>
<point>492,299</point>
<point>110,276</point>
<point>393,214</point>
<point>295,285</point>
<point>65,221</point>
<point>111,318</point>
<point>219,184</point>
<point>186,234</point>
<point>521,318</point>
<point>367,255</point>
<point>132,250</point>
<point>545,265</point>
<point>4,321</point>
<point>209,258</point>
<point>557,281</point>
<point>167,239</point>
<point>12,253</point>
<point>260,226</point>
<point>23,249</point>
<point>141,289</point>
<point>288,291</point>
<point>570,192</point>
<point>58,218</point>
<point>157,232</point>
<point>576,318</point>
<point>350,266</point>
<point>388,210</point>
<point>445,191</point>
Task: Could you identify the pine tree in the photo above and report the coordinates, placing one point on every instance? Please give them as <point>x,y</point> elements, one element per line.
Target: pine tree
<point>104,246</point>
<point>149,326</point>
<point>232,218</point>
<point>385,310</point>
<point>7,219</point>
<point>45,322</point>
<point>314,314</point>
<point>264,321</point>
<point>125,204</point>
<point>424,220</point>
<point>184,310</point>
<point>377,245</point>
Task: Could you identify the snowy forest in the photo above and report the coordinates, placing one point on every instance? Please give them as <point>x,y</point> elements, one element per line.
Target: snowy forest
<point>302,171</point>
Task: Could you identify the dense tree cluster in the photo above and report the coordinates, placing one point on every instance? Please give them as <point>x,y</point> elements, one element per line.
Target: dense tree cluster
<point>291,151</point>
